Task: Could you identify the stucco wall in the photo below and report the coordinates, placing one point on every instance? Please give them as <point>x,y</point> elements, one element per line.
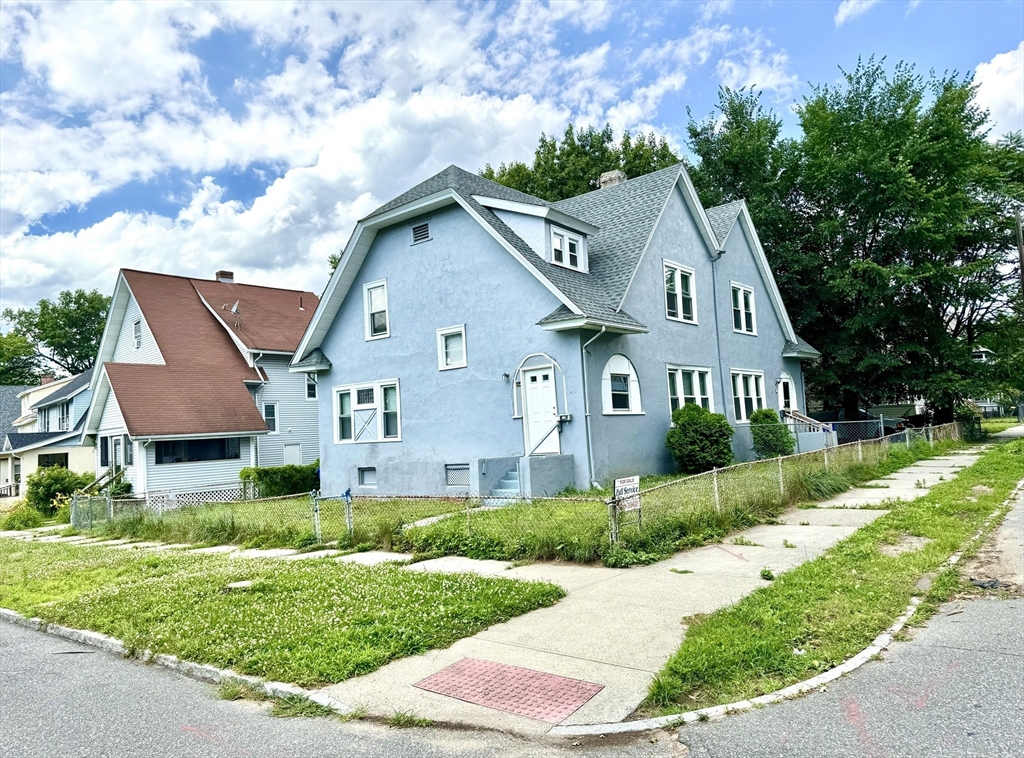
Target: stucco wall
<point>79,459</point>
<point>462,276</point>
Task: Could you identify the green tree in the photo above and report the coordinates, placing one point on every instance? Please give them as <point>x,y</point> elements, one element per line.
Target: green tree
<point>333,260</point>
<point>573,166</point>
<point>699,440</point>
<point>770,436</point>
<point>19,363</point>
<point>65,333</point>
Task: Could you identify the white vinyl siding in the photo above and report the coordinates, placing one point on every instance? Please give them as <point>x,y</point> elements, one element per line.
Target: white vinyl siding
<point>194,476</point>
<point>297,421</point>
<point>125,350</point>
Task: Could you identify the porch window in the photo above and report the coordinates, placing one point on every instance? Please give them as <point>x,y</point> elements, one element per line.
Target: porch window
<point>191,451</point>
<point>53,459</point>
<point>375,307</point>
<point>620,387</point>
<point>368,413</point>
<point>689,385</point>
<point>680,302</point>
<point>747,394</point>
<point>744,319</point>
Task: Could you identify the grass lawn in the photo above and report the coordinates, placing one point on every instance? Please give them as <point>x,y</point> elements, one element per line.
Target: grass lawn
<point>832,607</point>
<point>993,425</point>
<point>308,622</point>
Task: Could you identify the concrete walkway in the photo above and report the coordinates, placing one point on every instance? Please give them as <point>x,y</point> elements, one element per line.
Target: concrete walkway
<point>617,627</point>
<point>1013,433</point>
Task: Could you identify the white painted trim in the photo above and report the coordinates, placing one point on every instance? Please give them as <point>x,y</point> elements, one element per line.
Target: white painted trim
<point>441,334</point>
<point>785,376</point>
<point>693,370</point>
<point>147,438</point>
<point>590,323</point>
<point>733,372</point>
<point>753,308</point>
<point>378,396</point>
<point>635,398</point>
<point>305,386</point>
<point>277,417</point>
<point>367,329</point>
<point>692,273</point>
<point>115,319</point>
<point>568,236</point>
<point>553,215</point>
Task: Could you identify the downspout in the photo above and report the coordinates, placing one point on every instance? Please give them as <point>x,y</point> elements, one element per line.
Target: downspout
<point>718,332</point>
<point>586,406</point>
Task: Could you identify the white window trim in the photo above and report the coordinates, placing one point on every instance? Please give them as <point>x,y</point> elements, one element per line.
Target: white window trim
<point>580,249</point>
<point>441,334</point>
<point>693,369</point>
<point>635,400</point>
<point>733,372</point>
<point>378,399</point>
<point>366,310</point>
<point>305,386</point>
<point>753,308</point>
<point>678,267</point>
<point>785,376</point>
<point>137,333</point>
<point>277,416</point>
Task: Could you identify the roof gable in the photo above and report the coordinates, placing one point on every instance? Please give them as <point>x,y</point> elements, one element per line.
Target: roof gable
<point>78,384</point>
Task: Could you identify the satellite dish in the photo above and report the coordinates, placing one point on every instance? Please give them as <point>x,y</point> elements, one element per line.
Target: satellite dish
<point>233,308</point>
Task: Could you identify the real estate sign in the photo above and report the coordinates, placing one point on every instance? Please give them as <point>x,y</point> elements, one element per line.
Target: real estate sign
<point>627,493</point>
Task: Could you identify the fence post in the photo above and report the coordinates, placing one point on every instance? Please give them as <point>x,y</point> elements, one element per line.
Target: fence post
<point>350,523</point>
<point>314,498</point>
<point>74,510</point>
<point>931,438</point>
<point>825,450</point>
<point>881,426</point>
<point>718,497</point>
<point>860,451</point>
<point>906,436</point>
<point>110,505</point>
<point>613,521</point>
<point>469,524</point>
<point>782,481</point>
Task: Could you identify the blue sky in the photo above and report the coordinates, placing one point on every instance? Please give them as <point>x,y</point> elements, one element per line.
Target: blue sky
<point>186,138</point>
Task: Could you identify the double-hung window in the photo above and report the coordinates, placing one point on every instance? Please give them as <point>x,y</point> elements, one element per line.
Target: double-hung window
<point>137,333</point>
<point>744,318</point>
<point>368,412</point>
<point>375,310</point>
<point>311,386</point>
<point>64,420</point>
<point>680,298</point>
<point>620,392</point>
<point>451,347</point>
<point>689,385</point>
<point>270,416</point>
<point>747,393</point>
<point>566,249</point>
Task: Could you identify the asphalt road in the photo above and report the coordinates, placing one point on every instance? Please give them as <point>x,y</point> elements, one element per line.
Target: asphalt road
<point>58,698</point>
<point>957,689</point>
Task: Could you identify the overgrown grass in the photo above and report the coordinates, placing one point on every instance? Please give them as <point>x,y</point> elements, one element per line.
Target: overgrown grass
<point>308,622</point>
<point>833,606</point>
<point>995,425</point>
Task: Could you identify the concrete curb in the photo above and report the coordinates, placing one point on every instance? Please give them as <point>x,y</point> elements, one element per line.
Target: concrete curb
<point>199,671</point>
<point>880,643</point>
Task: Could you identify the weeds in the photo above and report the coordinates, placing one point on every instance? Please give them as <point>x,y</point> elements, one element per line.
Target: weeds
<point>787,543</point>
<point>744,542</point>
<point>406,720</point>
<point>767,575</point>
<point>292,706</point>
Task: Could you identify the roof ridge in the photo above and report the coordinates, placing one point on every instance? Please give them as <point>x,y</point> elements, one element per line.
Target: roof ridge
<point>642,177</point>
<point>213,281</point>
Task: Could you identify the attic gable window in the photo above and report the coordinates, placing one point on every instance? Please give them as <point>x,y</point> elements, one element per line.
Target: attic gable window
<point>421,232</point>
<point>137,334</point>
<point>567,250</point>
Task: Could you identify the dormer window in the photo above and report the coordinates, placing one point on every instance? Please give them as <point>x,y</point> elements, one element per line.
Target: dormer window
<point>567,249</point>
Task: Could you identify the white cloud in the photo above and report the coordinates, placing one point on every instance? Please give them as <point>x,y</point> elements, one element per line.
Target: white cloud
<point>1001,90</point>
<point>851,9</point>
<point>713,8</point>
<point>756,64</point>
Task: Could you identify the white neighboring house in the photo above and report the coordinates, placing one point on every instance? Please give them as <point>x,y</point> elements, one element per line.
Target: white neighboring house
<point>47,433</point>
<point>192,382</point>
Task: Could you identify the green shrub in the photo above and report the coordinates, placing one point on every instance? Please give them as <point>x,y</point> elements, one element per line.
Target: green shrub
<point>121,488</point>
<point>771,436</point>
<point>22,517</point>
<point>822,485</point>
<point>699,440</point>
<point>283,480</point>
<point>43,485</point>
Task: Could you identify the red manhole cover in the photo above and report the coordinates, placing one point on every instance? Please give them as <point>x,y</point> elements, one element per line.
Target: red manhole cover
<point>533,694</point>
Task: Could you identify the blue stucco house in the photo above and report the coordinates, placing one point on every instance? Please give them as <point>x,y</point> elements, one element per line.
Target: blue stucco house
<point>478,339</point>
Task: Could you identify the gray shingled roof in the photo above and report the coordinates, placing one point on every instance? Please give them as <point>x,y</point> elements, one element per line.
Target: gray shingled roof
<point>314,359</point>
<point>800,346</point>
<point>722,217</point>
<point>10,404</point>
<point>19,440</point>
<point>75,385</point>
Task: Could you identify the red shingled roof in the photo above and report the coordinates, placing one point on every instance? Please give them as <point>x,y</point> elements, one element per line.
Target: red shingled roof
<point>201,389</point>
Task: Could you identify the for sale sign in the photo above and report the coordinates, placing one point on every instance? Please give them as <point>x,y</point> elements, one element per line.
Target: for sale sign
<point>627,493</point>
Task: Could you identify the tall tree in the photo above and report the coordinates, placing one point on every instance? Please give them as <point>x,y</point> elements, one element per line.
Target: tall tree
<point>65,333</point>
<point>19,363</point>
<point>573,166</point>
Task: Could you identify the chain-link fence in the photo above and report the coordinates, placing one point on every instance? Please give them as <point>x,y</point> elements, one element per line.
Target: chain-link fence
<point>584,528</point>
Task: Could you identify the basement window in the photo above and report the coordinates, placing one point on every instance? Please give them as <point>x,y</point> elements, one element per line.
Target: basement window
<point>368,477</point>
<point>456,475</point>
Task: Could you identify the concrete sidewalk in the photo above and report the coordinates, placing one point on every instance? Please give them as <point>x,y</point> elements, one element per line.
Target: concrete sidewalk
<point>617,627</point>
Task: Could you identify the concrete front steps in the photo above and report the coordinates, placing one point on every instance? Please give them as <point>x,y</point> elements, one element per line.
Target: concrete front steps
<point>506,492</point>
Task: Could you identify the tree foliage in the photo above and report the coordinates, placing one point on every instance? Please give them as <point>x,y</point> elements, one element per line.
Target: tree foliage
<point>65,333</point>
<point>887,223</point>
<point>573,166</point>
<point>19,363</point>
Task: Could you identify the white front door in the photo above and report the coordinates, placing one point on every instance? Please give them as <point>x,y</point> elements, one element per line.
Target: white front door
<point>540,411</point>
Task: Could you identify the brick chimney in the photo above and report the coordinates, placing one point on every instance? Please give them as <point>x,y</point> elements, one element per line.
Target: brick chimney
<point>611,178</point>
<point>228,277</point>
<point>46,379</point>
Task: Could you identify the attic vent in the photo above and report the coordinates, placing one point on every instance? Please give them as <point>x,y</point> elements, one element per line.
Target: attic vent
<point>421,232</point>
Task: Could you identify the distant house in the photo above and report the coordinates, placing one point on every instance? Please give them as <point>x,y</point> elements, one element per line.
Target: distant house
<point>476,338</point>
<point>192,382</point>
<point>990,407</point>
<point>47,432</point>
